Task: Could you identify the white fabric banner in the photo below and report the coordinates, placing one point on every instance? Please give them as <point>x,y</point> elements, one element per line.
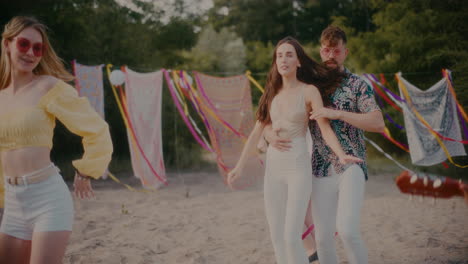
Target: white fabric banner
<point>438,108</point>
<point>143,98</point>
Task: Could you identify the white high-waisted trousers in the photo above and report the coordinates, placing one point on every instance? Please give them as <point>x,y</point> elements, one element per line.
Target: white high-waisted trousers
<point>336,205</point>
<point>37,207</point>
<point>287,187</point>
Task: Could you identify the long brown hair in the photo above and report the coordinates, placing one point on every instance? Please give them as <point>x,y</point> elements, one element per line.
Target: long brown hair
<point>50,63</point>
<point>310,72</point>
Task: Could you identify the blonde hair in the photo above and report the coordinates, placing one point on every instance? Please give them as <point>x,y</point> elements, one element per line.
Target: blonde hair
<point>50,63</point>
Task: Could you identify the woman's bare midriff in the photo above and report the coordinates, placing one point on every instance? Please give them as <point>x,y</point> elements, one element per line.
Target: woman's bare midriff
<point>19,162</point>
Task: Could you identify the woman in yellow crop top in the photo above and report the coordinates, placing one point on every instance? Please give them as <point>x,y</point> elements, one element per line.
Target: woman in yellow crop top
<point>38,214</point>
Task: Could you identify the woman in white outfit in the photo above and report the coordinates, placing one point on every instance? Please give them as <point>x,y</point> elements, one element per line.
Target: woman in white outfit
<point>290,94</point>
<point>38,216</point>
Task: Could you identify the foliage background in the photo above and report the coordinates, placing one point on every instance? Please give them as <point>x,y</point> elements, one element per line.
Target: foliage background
<point>223,37</point>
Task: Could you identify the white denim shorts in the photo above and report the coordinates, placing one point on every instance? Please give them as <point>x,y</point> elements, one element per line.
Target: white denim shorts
<point>38,207</point>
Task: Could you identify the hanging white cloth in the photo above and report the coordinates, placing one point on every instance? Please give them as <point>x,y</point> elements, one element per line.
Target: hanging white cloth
<point>144,99</point>
<point>438,108</point>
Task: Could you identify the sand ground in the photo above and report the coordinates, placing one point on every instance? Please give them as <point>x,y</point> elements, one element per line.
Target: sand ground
<point>196,220</point>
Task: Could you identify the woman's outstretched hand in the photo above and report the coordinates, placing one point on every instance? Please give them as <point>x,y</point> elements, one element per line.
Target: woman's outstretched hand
<point>346,159</point>
<point>233,176</point>
<point>82,186</point>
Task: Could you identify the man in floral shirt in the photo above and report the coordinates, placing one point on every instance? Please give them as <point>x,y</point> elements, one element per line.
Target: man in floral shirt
<point>338,190</point>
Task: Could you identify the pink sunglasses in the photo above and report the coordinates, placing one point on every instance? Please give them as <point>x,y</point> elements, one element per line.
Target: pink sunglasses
<point>24,44</point>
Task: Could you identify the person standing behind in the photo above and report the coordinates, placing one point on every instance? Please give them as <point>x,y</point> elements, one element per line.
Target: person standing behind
<point>38,216</point>
<point>289,96</point>
<point>337,189</point>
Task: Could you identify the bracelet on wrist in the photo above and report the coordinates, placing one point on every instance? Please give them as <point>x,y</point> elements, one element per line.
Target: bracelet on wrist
<point>81,177</point>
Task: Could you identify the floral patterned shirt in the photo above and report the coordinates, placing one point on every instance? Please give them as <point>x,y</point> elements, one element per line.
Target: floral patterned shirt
<point>353,95</point>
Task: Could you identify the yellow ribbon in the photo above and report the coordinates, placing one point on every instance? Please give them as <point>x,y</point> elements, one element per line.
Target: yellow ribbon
<point>248,74</point>
<point>387,133</point>
<point>130,188</point>
<point>176,79</point>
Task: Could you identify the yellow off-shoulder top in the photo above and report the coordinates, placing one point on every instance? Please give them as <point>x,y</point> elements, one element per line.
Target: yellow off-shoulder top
<point>34,126</point>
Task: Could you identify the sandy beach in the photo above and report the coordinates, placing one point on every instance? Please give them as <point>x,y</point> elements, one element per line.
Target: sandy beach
<point>196,219</point>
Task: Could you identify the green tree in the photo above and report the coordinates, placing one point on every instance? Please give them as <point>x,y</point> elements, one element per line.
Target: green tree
<point>220,52</point>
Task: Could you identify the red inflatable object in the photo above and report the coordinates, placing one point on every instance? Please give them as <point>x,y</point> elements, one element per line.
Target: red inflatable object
<point>424,186</point>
